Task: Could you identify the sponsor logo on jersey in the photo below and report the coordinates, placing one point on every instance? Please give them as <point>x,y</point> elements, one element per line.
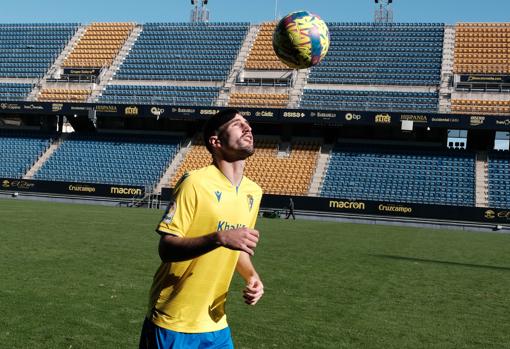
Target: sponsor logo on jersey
<point>224,225</point>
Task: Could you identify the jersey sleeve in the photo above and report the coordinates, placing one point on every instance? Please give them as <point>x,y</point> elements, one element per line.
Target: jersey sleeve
<point>180,211</point>
<point>256,208</point>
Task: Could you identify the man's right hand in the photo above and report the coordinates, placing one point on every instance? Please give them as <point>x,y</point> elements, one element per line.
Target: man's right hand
<point>241,239</point>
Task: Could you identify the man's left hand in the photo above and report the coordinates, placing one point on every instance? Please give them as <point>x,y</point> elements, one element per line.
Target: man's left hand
<point>253,291</point>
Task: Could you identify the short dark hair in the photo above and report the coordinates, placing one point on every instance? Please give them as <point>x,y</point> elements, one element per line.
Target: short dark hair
<point>213,124</point>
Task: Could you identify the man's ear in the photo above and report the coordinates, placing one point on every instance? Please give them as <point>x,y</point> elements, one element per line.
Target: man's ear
<point>214,141</point>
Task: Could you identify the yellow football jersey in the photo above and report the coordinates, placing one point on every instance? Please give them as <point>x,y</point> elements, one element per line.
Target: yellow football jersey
<point>190,296</point>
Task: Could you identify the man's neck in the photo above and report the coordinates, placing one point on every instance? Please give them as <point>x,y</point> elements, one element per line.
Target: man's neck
<point>232,170</point>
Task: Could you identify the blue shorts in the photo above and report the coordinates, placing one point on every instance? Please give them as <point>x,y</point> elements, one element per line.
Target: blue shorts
<point>155,337</point>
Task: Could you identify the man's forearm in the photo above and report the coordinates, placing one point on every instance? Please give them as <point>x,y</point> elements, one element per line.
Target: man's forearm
<point>178,249</point>
<point>245,267</point>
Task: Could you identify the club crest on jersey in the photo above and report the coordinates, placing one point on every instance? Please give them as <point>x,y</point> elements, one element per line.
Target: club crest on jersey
<point>170,212</point>
<point>218,195</point>
<point>250,201</point>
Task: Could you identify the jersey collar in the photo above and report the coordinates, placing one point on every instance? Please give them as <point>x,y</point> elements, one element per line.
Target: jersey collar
<point>227,181</point>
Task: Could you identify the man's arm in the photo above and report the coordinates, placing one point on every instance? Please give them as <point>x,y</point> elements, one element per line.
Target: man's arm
<point>254,288</point>
<point>176,249</point>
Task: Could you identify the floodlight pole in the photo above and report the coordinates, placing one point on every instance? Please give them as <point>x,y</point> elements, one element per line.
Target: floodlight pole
<point>199,13</point>
<point>383,11</point>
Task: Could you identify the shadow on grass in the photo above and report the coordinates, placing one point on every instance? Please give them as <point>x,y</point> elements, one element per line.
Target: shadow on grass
<point>412,259</point>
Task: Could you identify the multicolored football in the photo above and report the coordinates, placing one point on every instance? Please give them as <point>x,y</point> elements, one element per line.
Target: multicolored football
<point>301,39</point>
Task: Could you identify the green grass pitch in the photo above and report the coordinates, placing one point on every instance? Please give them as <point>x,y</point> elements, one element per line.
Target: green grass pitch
<point>77,276</point>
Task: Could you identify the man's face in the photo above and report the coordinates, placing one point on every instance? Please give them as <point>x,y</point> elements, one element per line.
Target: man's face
<point>236,139</point>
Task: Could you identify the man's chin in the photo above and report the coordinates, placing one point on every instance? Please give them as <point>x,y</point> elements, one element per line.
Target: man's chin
<point>241,154</point>
<point>246,153</point>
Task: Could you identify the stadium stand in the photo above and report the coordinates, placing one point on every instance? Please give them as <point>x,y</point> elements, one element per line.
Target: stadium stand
<point>382,54</point>
<point>112,159</point>
<point>12,91</point>
<point>482,48</point>
<point>369,100</point>
<point>374,67</point>
<point>401,176</point>
<point>262,56</point>
<point>284,171</point>
<point>481,65</point>
<point>480,106</point>
<point>186,95</point>
<point>184,51</point>
<point>63,95</point>
<point>196,157</point>
<point>288,171</point>
<point>99,45</point>
<point>28,50</point>
<point>499,179</point>
<point>20,149</point>
<point>260,100</point>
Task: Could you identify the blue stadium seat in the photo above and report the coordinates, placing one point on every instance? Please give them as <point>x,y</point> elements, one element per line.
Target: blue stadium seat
<point>28,50</point>
<point>150,94</point>
<point>401,176</point>
<point>187,51</point>
<point>499,179</point>
<point>111,159</point>
<point>369,100</point>
<point>20,150</point>
<point>381,54</point>
<point>12,91</point>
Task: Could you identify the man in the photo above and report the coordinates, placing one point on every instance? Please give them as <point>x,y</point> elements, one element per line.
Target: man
<point>206,233</point>
<point>291,209</point>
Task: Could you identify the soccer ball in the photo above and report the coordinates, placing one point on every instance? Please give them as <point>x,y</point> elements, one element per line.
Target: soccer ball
<point>301,39</point>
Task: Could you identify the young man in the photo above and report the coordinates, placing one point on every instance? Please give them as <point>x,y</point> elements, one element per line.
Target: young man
<point>206,233</point>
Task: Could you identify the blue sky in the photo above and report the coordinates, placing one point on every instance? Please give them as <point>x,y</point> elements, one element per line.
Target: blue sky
<point>254,11</point>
